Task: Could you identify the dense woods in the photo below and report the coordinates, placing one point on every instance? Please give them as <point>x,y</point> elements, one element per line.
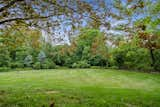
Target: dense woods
<point>88,49</point>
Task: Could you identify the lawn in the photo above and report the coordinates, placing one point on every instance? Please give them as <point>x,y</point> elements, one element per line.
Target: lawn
<point>79,88</point>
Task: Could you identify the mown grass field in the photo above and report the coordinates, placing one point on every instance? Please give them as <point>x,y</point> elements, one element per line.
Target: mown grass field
<point>79,88</point>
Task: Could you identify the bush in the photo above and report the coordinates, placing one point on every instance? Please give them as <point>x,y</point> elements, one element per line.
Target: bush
<point>52,65</point>
<point>37,65</point>
<point>45,66</point>
<point>81,64</point>
<point>119,58</point>
<point>48,64</point>
<point>17,65</point>
<point>98,60</point>
<point>4,69</point>
<point>74,65</point>
<point>69,62</point>
<point>143,67</point>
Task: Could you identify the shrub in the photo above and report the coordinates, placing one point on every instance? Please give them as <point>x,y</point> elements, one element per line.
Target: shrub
<point>74,65</point>
<point>48,64</point>
<point>68,62</point>
<point>52,65</point>
<point>119,58</point>
<point>98,60</point>
<point>45,66</point>
<point>17,65</point>
<point>81,64</point>
<point>143,67</point>
<point>37,65</point>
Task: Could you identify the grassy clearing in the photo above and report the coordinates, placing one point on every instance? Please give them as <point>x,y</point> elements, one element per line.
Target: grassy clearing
<point>79,88</point>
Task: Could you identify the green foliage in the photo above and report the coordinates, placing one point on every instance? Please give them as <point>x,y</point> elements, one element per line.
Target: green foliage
<point>86,53</point>
<point>119,58</point>
<point>48,64</point>
<point>57,54</point>
<point>87,36</point>
<point>4,57</point>
<point>37,65</point>
<point>69,61</point>
<point>98,60</point>
<point>44,66</point>
<point>81,64</point>
<point>129,56</point>
<point>18,46</point>
<point>87,49</point>
<point>91,47</point>
<point>21,53</point>
<point>17,65</point>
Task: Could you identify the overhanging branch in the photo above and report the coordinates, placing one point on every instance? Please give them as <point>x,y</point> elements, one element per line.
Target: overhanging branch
<point>25,18</point>
<point>11,3</point>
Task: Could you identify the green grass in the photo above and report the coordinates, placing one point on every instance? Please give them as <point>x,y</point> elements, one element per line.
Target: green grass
<point>79,88</point>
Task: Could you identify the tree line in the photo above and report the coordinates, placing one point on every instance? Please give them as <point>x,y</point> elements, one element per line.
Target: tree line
<point>87,50</point>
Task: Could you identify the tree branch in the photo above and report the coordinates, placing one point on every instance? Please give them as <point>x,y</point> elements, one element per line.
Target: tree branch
<point>9,5</point>
<point>25,18</point>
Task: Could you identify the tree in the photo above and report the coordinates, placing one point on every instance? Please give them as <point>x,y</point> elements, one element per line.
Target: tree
<point>128,55</point>
<point>150,42</point>
<point>20,39</point>
<point>148,31</point>
<point>91,46</point>
<point>39,13</point>
<point>143,21</point>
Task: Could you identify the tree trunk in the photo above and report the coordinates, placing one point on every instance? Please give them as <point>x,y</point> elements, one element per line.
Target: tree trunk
<point>152,57</point>
<point>13,55</point>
